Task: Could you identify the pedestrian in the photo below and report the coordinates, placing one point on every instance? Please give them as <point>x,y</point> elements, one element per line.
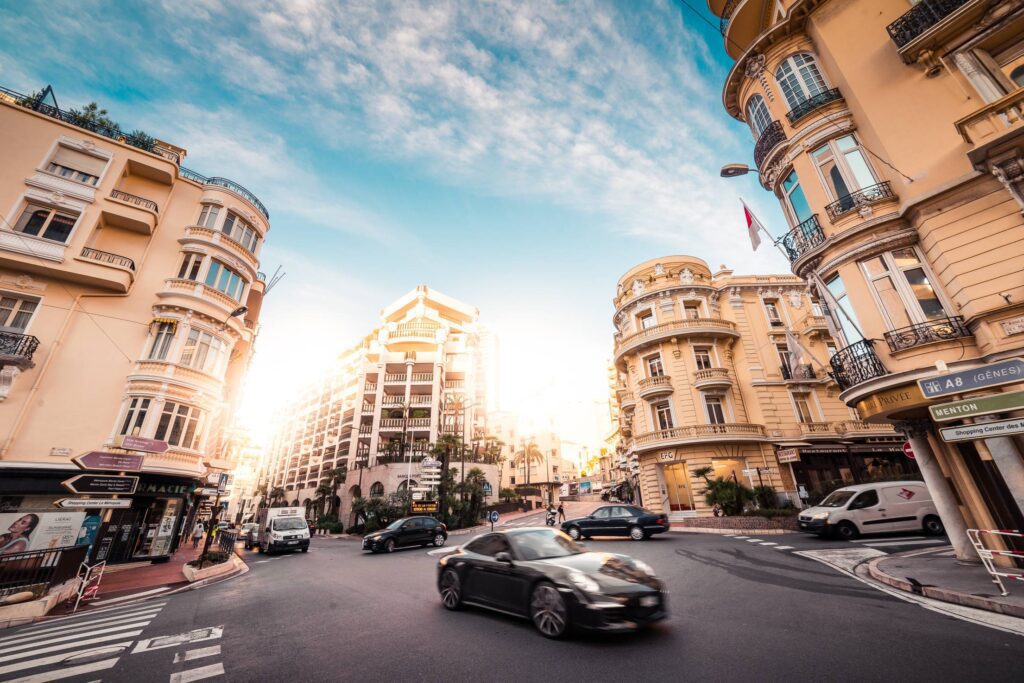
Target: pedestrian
<point>197,534</point>
<point>561,512</point>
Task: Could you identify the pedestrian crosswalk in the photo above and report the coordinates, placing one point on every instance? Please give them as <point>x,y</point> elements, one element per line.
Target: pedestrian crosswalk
<point>75,645</point>
<point>889,542</point>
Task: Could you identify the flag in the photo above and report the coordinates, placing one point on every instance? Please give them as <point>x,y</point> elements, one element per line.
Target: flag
<point>753,226</point>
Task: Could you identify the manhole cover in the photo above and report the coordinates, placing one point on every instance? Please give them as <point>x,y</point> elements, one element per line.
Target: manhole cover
<point>94,655</point>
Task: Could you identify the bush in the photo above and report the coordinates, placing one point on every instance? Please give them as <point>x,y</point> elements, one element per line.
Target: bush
<point>731,496</point>
<point>212,557</point>
<point>331,526</point>
<point>765,496</point>
<point>769,513</point>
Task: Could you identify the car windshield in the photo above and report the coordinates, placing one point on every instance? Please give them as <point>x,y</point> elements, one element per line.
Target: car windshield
<point>397,524</point>
<point>837,499</point>
<point>289,524</point>
<point>540,544</point>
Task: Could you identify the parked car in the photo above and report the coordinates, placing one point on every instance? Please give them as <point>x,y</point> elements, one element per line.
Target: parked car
<point>247,534</point>
<point>408,531</point>
<point>617,520</point>
<point>873,508</point>
<point>545,576</point>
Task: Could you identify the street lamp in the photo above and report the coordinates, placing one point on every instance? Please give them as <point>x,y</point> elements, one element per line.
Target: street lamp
<point>241,310</point>
<point>735,170</point>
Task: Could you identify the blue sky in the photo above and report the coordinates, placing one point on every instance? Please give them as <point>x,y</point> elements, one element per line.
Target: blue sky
<point>519,156</point>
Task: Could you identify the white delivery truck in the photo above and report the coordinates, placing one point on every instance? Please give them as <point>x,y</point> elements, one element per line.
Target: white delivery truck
<point>282,529</point>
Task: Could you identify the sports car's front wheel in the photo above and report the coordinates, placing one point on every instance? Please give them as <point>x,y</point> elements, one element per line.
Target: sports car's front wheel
<point>451,589</point>
<point>548,611</point>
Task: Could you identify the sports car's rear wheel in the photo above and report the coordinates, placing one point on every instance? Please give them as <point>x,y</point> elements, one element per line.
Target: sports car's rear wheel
<point>451,589</point>
<point>548,611</point>
<point>574,533</point>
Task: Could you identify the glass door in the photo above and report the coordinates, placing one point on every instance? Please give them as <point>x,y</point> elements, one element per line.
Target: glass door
<point>677,483</point>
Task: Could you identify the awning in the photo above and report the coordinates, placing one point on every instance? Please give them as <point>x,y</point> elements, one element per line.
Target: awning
<point>157,321</point>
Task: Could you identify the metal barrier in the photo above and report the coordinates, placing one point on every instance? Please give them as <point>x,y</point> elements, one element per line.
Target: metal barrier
<point>39,569</point>
<point>988,555</point>
<point>90,576</point>
<point>226,539</point>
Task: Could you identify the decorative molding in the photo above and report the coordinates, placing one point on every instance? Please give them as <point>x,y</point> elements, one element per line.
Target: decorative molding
<point>8,374</point>
<point>903,238</point>
<point>754,66</point>
<point>23,281</point>
<point>686,276</point>
<point>914,429</point>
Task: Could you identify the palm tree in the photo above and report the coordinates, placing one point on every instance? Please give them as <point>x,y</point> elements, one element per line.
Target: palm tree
<point>335,478</point>
<point>323,493</point>
<point>526,457</point>
<point>276,495</point>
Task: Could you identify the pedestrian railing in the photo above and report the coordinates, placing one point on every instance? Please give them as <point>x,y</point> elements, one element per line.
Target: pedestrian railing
<point>89,586</point>
<point>37,570</point>
<point>227,541</point>
<point>989,555</point>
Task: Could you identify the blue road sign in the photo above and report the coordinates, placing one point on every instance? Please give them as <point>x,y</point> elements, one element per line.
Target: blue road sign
<point>493,516</point>
<point>991,375</point>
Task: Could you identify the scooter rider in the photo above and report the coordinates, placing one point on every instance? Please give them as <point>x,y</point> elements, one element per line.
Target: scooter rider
<point>552,515</point>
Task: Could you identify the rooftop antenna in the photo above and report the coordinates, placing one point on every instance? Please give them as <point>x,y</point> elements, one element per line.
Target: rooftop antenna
<point>274,279</point>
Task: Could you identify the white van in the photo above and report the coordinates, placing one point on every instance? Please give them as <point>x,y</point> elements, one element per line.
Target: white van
<point>282,529</point>
<point>873,508</point>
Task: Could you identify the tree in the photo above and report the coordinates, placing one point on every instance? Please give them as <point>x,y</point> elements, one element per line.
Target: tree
<point>92,117</point>
<point>507,494</point>
<point>323,494</point>
<point>527,456</point>
<point>277,495</point>
<point>473,489</point>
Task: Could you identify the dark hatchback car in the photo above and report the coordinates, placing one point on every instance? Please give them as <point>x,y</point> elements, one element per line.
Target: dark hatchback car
<point>617,520</point>
<point>405,532</point>
<point>543,575</point>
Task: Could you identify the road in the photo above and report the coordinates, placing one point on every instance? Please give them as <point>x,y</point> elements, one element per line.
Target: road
<point>740,609</point>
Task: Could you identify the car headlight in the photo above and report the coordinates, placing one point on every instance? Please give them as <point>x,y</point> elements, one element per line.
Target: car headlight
<point>584,582</point>
<point>820,515</point>
<point>644,567</point>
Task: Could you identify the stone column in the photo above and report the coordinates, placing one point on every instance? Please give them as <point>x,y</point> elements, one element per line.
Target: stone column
<point>1008,459</point>
<point>942,494</point>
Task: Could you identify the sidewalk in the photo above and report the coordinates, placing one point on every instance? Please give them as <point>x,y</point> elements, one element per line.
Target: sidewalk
<point>937,574</point>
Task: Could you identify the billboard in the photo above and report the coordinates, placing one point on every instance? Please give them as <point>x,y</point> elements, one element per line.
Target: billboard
<point>24,531</point>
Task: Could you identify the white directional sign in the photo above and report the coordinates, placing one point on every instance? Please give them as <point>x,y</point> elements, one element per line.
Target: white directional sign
<point>983,430</point>
<point>86,503</point>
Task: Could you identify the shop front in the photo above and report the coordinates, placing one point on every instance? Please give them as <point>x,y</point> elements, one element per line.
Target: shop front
<point>818,470</point>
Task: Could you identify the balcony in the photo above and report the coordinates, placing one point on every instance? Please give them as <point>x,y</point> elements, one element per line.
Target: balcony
<point>815,324</point>
<point>921,17</point>
<point>927,333</point>
<point>627,400</point>
<point>803,238</point>
<point>737,431</point>
<point>703,327</point>
<point>394,378</point>
<point>993,124</point>
<point>455,384</point>
<point>129,198</point>
<point>414,333</point>
<point>422,377</point>
<point>227,185</point>
<point>390,424</point>
<point>811,429</point>
<point>204,235</point>
<point>813,103</point>
<point>771,137</point>
<point>726,13</point>
<point>421,400</point>
<point>17,349</point>
<point>369,388</point>
<point>393,400</point>
<point>852,428</point>
<point>711,378</point>
<point>652,387</point>
<point>150,370</point>
<point>131,212</point>
<point>198,293</point>
<point>107,257</point>
<point>859,200</point>
<point>855,364</point>
<point>419,423</point>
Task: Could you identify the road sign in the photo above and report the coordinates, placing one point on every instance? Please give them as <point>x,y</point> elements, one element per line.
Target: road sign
<point>430,462</point>
<point>111,462</point>
<point>992,375</point>
<point>973,407</point>
<point>138,443</point>
<point>419,507</point>
<point>101,483</point>
<point>908,450</point>
<point>788,455</point>
<point>222,484</point>
<point>983,430</point>
<point>493,516</point>
<point>208,491</point>
<point>83,503</point>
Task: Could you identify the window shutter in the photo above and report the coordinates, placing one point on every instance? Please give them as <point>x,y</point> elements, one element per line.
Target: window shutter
<point>78,161</point>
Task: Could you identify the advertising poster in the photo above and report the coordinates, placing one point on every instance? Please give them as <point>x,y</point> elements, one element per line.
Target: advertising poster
<point>24,531</point>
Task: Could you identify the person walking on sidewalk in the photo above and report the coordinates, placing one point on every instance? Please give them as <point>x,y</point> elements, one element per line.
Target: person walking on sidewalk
<point>197,534</point>
<point>561,512</point>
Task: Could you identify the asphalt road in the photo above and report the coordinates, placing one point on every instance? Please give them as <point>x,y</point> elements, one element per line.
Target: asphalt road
<point>740,609</point>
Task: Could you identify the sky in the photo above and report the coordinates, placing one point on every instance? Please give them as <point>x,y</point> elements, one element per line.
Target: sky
<point>519,156</point>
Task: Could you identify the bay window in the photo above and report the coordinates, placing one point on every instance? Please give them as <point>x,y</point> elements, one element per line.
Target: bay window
<point>190,266</point>
<point>796,205</point>
<point>758,116</point>
<point>46,222</point>
<point>842,313</point>
<point>241,231</point>
<point>902,288</point>
<point>225,280</point>
<point>799,78</point>
<point>179,425</point>
<point>208,216</point>
<point>162,340</point>
<point>202,351</point>
<point>843,169</point>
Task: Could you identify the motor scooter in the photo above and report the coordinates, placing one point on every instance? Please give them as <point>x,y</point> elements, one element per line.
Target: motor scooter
<point>551,518</point>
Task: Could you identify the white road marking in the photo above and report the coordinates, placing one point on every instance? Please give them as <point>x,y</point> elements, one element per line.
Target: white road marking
<point>884,544</point>
<point>109,611</point>
<point>31,642</point>
<point>64,646</point>
<point>53,659</point>
<point>261,561</point>
<point>768,543</point>
<point>109,601</point>
<point>77,626</point>
<point>739,537</point>
<point>194,636</point>
<point>196,654</point>
<point>754,540</point>
<point>890,538</point>
<point>58,674</point>
<point>198,674</point>
<point>784,547</point>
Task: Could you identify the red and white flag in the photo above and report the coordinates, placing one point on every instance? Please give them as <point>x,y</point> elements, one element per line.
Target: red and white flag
<point>753,226</point>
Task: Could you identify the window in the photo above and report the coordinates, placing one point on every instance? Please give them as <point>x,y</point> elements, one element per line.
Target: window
<point>800,78</point>
<point>832,350</point>
<point>902,288</point>
<point>702,356</point>
<point>785,360</point>
<point>1017,76</point>
<point>240,230</point>
<point>489,545</point>
<point>135,416</point>
<point>42,221</point>
<point>691,309</point>
<point>844,317</point>
<point>202,351</point>
<point>645,320</point>
<point>225,280</point>
<point>603,513</point>
<point>208,216</point>
<point>843,168</point>
<point>796,203</point>
<point>758,116</point>
<point>771,309</point>
<point>16,312</point>
<point>802,402</point>
<point>377,490</point>
<point>654,367</point>
<point>663,415</point>
<point>714,406</point>
<point>179,425</point>
<point>73,165</point>
<point>866,499</point>
<point>190,266</point>
<point>162,340</point>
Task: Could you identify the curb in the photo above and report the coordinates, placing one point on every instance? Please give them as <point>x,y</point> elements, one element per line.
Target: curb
<point>240,568</point>
<point>942,594</point>
<point>730,532</point>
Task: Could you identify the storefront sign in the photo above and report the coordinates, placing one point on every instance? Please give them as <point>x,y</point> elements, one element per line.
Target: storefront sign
<point>208,491</point>
<point>823,450</point>
<point>419,507</point>
<point>667,456</point>
<point>61,452</point>
<point>788,455</point>
<point>891,400</point>
<point>100,483</point>
<point>173,489</point>
<point>112,462</point>
<point>992,375</point>
<point>137,443</point>
<point>973,407</point>
<point>84,503</point>
<point>983,430</point>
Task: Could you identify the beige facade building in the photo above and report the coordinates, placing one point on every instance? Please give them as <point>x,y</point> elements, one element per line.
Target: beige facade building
<point>129,299</point>
<point>892,132</point>
<point>417,377</point>
<point>708,376</point>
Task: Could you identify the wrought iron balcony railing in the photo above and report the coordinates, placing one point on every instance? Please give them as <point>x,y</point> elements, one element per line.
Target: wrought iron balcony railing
<point>135,199</point>
<point>803,238</point>
<point>727,11</point>
<point>920,18</point>
<point>17,349</point>
<point>855,200</point>
<point>228,184</point>
<point>803,371</point>
<point>855,364</point>
<point>107,257</point>
<point>770,138</point>
<point>811,103</point>
<point>926,333</point>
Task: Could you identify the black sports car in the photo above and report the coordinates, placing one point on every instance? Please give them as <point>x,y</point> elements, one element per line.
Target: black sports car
<point>407,531</point>
<point>544,575</point>
<point>617,520</point>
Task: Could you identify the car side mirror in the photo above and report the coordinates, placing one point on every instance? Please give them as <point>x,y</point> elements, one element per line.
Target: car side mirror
<point>503,557</point>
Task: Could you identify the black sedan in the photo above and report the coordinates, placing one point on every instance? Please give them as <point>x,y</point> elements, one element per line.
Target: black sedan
<point>617,520</point>
<point>408,531</point>
<point>545,576</point>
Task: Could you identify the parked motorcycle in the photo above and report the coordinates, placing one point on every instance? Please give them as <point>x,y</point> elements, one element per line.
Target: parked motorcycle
<point>552,518</point>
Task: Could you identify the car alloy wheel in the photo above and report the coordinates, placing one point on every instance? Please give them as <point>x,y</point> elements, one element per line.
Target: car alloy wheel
<point>389,545</point>
<point>439,540</point>
<point>636,533</point>
<point>548,611</point>
<point>451,589</point>
<point>574,533</point>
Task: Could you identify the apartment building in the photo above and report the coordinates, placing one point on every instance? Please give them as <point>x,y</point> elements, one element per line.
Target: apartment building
<point>129,299</point>
<point>891,131</point>
<point>415,378</point>
<point>731,372</point>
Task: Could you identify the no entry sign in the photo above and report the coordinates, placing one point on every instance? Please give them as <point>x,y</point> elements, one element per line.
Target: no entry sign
<point>908,450</point>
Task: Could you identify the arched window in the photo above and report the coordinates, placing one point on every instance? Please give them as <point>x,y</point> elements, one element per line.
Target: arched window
<point>404,486</point>
<point>377,490</point>
<point>758,117</point>
<point>800,78</point>
<point>1017,76</point>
